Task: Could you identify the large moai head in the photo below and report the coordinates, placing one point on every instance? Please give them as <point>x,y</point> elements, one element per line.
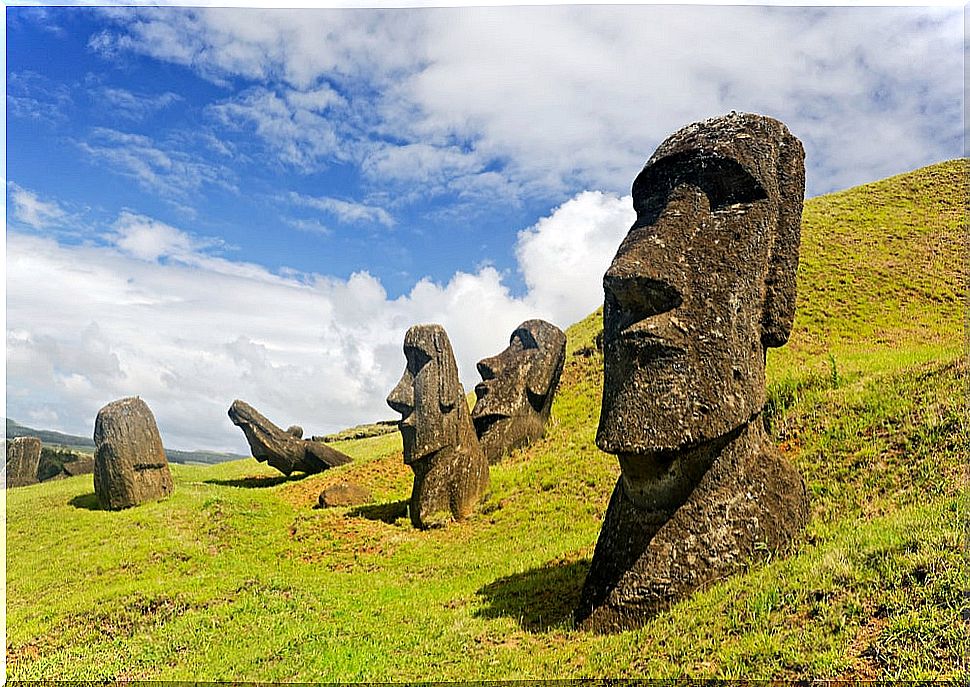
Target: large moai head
<point>130,466</point>
<point>428,394</point>
<point>515,396</point>
<point>701,286</point>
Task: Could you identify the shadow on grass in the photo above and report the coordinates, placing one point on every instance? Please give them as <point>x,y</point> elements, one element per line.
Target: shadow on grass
<point>539,599</point>
<point>385,512</point>
<point>86,501</point>
<point>258,481</point>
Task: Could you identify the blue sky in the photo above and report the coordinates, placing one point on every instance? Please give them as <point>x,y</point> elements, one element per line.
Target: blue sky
<point>209,204</point>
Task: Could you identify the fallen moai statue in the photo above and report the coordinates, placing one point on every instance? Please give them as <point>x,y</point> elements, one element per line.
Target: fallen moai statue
<point>440,445</point>
<point>284,450</point>
<point>515,396</point>
<point>129,462</point>
<point>701,286</point>
<point>23,457</point>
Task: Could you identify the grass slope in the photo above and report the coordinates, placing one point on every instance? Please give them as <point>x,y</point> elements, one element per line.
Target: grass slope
<point>237,577</point>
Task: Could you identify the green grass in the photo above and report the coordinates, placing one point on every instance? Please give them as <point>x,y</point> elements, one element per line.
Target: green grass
<point>238,577</point>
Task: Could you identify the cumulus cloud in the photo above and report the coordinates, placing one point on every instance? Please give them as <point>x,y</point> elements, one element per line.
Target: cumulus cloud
<point>563,256</point>
<point>148,239</point>
<point>154,312</point>
<point>32,211</point>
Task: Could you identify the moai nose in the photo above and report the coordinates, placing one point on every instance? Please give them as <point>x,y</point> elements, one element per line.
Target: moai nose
<point>630,297</point>
<point>488,367</point>
<point>401,398</point>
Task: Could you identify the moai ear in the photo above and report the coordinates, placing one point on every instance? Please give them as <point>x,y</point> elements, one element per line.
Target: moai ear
<point>780,287</point>
<point>547,368</point>
<point>449,388</point>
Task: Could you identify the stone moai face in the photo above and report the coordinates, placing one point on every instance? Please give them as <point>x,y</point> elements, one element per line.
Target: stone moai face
<point>701,286</point>
<point>428,394</point>
<point>440,446</point>
<point>703,283</point>
<point>515,396</point>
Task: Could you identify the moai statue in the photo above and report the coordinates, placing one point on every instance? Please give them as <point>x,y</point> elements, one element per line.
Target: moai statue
<point>23,458</point>
<point>440,446</point>
<point>701,286</point>
<point>284,450</point>
<point>129,462</point>
<point>517,388</point>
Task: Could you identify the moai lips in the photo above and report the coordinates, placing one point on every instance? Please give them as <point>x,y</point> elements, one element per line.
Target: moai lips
<point>701,286</point>
<point>518,385</point>
<point>440,445</point>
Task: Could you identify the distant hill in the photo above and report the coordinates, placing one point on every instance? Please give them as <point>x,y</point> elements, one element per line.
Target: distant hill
<point>81,444</point>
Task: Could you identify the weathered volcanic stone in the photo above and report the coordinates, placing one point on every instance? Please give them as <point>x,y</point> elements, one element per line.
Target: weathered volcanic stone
<point>129,462</point>
<point>23,457</point>
<point>701,286</point>
<point>518,385</point>
<point>283,450</point>
<point>440,445</point>
<point>344,494</point>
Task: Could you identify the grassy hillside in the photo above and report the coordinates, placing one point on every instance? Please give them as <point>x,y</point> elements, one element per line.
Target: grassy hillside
<point>237,577</point>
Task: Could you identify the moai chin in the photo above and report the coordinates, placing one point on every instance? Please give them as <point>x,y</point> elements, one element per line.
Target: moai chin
<point>515,395</point>
<point>701,286</point>
<point>440,446</point>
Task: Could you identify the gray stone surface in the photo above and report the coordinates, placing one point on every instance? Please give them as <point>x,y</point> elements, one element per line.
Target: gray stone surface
<point>701,286</point>
<point>440,445</point>
<point>283,450</point>
<point>129,462</point>
<point>518,385</point>
<point>23,457</point>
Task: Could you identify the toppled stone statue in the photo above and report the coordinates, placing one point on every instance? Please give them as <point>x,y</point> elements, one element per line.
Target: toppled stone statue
<point>517,388</point>
<point>701,286</point>
<point>283,450</point>
<point>23,457</point>
<point>129,462</point>
<point>440,446</point>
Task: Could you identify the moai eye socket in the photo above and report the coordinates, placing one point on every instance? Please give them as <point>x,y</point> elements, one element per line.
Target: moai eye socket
<point>723,180</point>
<point>416,359</point>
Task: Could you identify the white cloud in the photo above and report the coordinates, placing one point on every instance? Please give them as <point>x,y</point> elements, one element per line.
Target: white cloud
<point>346,211</point>
<point>31,210</point>
<point>173,174</point>
<point>310,226</point>
<point>148,239</point>
<point>559,98</point>
<point>563,256</point>
<point>154,314</point>
<point>135,106</point>
<point>292,124</point>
